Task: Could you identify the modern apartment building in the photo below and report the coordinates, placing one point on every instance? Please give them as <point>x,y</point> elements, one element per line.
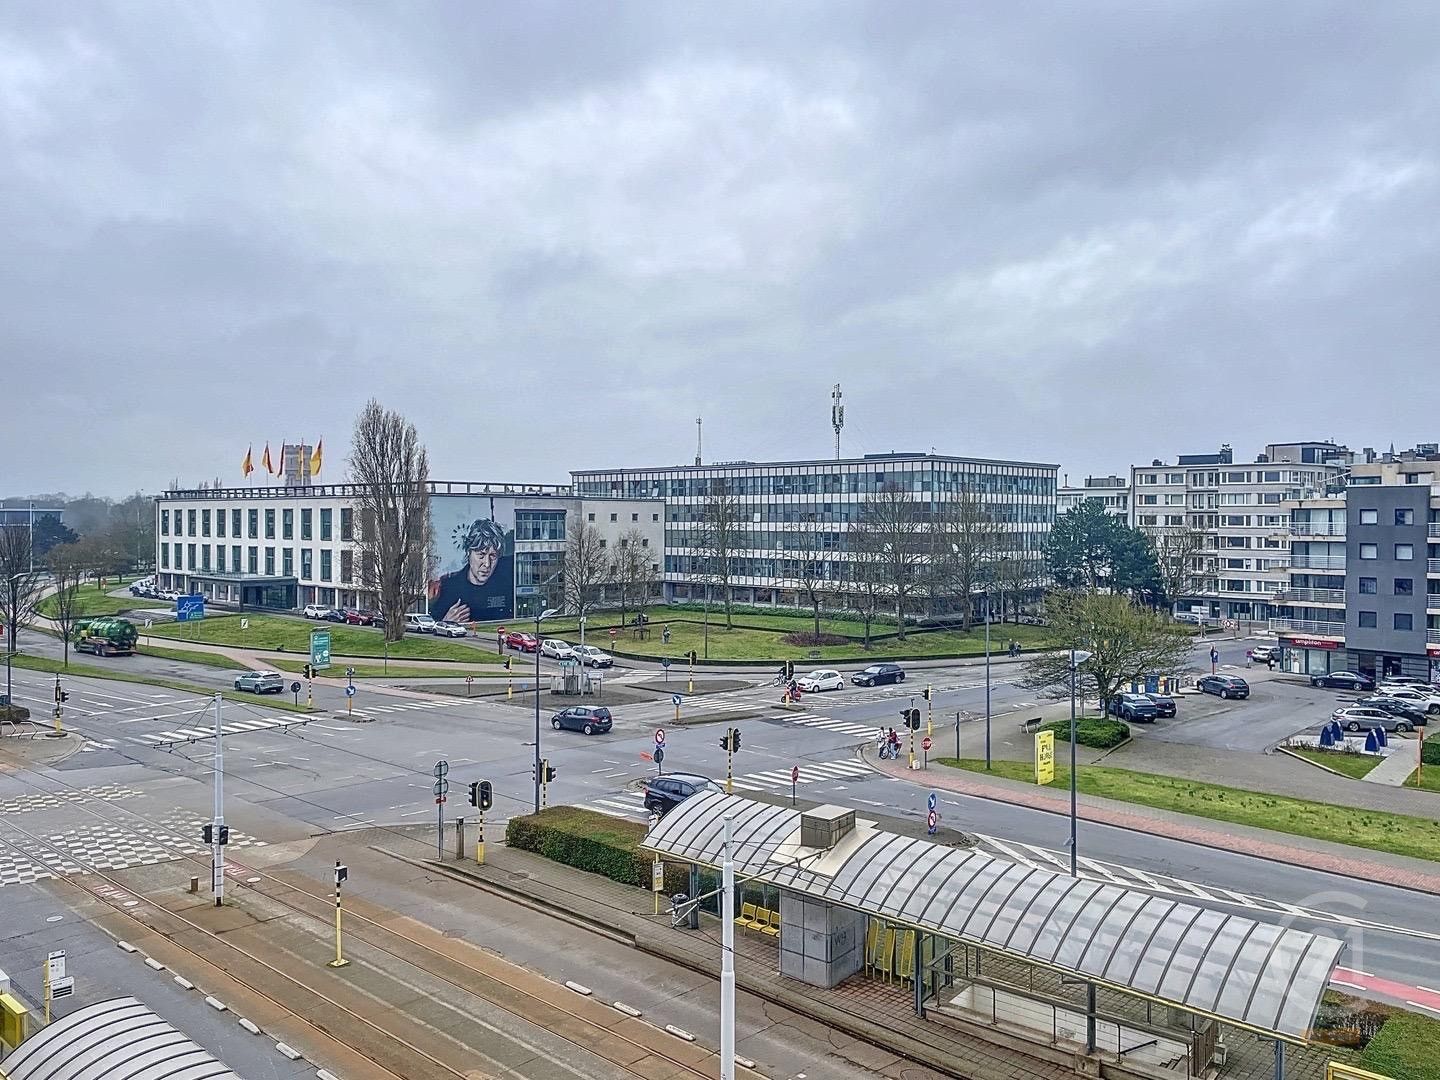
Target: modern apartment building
<point>794,511</point>
<point>1364,590</point>
<point>284,547</point>
<point>1238,511</point>
<point>1113,492</point>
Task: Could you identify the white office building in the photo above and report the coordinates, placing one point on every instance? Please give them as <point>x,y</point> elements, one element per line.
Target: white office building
<point>1112,492</point>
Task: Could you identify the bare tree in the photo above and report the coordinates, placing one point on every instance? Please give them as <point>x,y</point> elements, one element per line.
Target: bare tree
<point>719,538</point>
<point>586,568</point>
<point>630,571</point>
<point>965,542</point>
<point>809,569</point>
<point>67,564</point>
<point>21,582</point>
<point>392,472</point>
<point>1016,577</point>
<point>1177,550</point>
<point>866,594</point>
<point>893,529</point>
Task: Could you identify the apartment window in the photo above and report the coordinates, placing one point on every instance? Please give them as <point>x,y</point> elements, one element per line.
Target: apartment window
<point>235,557</point>
<point>252,522</point>
<point>644,542</point>
<point>602,541</point>
<point>326,565</point>
<point>205,557</point>
<point>220,554</point>
<point>204,522</point>
<point>270,561</point>
<point>614,517</point>
<point>269,524</point>
<point>287,561</point>
<point>1404,621</point>
<point>307,564</point>
<point>179,560</point>
<point>654,517</point>
<point>1367,619</point>
<point>190,519</point>
<point>1404,517</point>
<point>347,525</point>
<point>347,560</point>
<point>235,524</point>
<point>1270,477</point>
<point>1404,586</point>
<point>287,524</point>
<point>1369,551</point>
<point>190,551</point>
<point>634,517</point>
<point>1369,517</point>
<point>306,523</point>
<point>253,557</point>
<point>326,527</point>
<point>1404,552</point>
<point>219,522</point>
<point>165,556</point>
<point>589,517</point>
<point>1369,586</point>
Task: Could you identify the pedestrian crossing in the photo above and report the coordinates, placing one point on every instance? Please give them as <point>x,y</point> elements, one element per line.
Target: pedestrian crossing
<point>234,727</point>
<point>404,706</point>
<point>831,725</point>
<point>631,804</point>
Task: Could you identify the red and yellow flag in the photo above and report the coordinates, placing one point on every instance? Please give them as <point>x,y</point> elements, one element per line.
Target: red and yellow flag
<point>245,466</point>
<point>317,457</point>
<point>265,460</point>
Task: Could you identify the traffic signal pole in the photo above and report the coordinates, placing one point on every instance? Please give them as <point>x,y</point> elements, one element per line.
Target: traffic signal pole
<point>727,957</point>
<point>217,849</point>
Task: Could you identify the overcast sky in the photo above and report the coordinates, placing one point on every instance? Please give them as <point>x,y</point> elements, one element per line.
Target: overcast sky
<point>552,234</point>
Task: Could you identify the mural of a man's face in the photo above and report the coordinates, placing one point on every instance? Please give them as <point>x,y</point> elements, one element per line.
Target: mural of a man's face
<point>482,564</point>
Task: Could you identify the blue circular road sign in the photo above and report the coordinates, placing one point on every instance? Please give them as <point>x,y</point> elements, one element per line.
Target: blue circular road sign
<point>349,691</point>
<point>675,699</point>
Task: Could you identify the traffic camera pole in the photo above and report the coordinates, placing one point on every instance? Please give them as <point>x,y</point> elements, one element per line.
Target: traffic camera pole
<point>340,874</point>
<point>727,957</point>
<point>217,849</point>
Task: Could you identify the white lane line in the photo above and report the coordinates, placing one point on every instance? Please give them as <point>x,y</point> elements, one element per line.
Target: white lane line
<point>1427,1008</point>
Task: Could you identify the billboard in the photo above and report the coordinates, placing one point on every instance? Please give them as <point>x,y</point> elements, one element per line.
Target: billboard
<point>1044,757</point>
<point>474,558</point>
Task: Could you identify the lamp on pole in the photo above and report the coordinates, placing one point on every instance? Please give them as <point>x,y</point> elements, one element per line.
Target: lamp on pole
<point>539,616</point>
<point>1077,657</point>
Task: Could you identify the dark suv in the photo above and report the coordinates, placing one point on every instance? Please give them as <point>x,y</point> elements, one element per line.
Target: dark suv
<point>1226,686</point>
<point>1136,707</point>
<point>1164,704</point>
<point>587,719</point>
<point>1343,680</point>
<point>664,793</point>
<point>876,674</point>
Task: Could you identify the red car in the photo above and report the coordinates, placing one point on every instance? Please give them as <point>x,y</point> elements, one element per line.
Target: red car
<point>521,641</point>
<point>356,617</point>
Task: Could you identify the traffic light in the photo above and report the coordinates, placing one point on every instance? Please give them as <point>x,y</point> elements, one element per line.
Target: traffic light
<point>549,771</point>
<point>789,669</point>
<point>735,738</point>
<point>693,656</point>
<point>725,740</point>
<point>207,833</point>
<point>309,672</point>
<point>507,663</point>
<point>481,796</point>
<point>912,719</point>
<point>224,834</point>
<point>730,741</point>
<point>926,693</point>
<point>64,696</point>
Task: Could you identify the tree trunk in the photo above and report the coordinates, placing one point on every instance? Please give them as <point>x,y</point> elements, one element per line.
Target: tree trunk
<point>899,619</point>
<point>816,604</point>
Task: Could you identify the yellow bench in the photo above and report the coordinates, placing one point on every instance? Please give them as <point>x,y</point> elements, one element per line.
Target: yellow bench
<point>746,916</point>
<point>773,929</point>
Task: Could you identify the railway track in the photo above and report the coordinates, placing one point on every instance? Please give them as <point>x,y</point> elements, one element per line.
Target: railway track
<point>336,1014</point>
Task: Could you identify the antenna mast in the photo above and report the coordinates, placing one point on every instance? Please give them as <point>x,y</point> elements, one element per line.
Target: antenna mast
<point>837,416</point>
<point>698,423</point>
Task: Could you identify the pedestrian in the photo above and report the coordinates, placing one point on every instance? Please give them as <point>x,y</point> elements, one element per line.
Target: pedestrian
<point>665,634</point>
<point>1270,662</point>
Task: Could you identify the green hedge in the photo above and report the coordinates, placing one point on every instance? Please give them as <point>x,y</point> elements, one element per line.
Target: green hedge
<point>1407,1048</point>
<point>595,843</point>
<point>1430,752</point>
<point>1091,731</point>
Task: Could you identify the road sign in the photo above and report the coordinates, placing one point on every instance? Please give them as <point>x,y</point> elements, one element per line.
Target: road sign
<point>349,672</point>
<point>665,661</point>
<point>659,736</point>
<point>657,876</point>
<point>149,623</point>
<point>244,624</point>
<point>469,679</point>
<point>612,633</point>
<point>62,987</point>
<point>55,965</point>
<point>794,774</point>
<point>189,607</point>
<point>350,692</point>
<point>675,700</point>
<point>925,743</point>
<point>320,648</point>
<point>441,767</point>
<point>932,801</point>
<point>931,820</point>
<point>1214,655</point>
<point>1229,624</point>
<point>659,755</point>
<point>295,687</point>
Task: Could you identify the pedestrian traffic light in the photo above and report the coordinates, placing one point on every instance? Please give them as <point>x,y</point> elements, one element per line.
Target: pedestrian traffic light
<point>549,771</point>
<point>309,672</point>
<point>694,656</point>
<point>789,669</point>
<point>207,833</point>
<point>64,695</point>
<point>480,795</point>
<point>926,693</point>
<point>224,834</point>
<point>912,719</point>
<point>507,663</point>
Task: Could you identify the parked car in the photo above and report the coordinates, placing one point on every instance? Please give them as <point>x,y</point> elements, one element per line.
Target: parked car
<point>878,674</point>
<point>138,589</point>
<point>1395,707</point>
<point>417,622</point>
<point>316,611</point>
<point>586,719</point>
<point>260,682</point>
<point>1422,697</point>
<point>445,628</point>
<point>1188,617</point>
<point>1226,686</point>
<point>1164,704</point>
<point>823,679</point>
<point>333,615</point>
<point>1137,707</point>
<point>664,793</point>
<point>1263,654</point>
<point>1360,718</point>
<point>556,649</point>
<point>1404,680</point>
<point>521,641</point>
<point>590,656</point>
<point>1343,680</point>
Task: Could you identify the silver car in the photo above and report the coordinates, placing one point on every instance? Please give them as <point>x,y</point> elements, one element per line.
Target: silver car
<point>260,682</point>
<point>450,629</point>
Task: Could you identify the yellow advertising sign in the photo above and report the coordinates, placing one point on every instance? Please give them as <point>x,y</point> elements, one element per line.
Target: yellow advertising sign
<point>1044,757</point>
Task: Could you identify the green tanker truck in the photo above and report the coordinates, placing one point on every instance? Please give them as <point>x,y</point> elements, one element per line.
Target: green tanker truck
<point>106,637</point>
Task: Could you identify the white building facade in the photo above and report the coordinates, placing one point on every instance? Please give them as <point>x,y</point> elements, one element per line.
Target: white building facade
<point>1113,493</point>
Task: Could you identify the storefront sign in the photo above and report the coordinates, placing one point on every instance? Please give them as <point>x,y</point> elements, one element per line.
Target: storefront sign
<point>1310,643</point>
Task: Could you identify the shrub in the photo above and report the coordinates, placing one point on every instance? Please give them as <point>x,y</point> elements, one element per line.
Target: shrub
<point>1407,1047</point>
<point>809,637</point>
<point>1094,732</point>
<point>595,843</point>
<point>1430,752</point>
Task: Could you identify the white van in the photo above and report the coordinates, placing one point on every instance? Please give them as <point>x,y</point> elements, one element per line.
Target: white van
<point>420,623</point>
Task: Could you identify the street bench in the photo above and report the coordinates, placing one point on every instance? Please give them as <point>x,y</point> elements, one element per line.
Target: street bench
<point>1031,725</point>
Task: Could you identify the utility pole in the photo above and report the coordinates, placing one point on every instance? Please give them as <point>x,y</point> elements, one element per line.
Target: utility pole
<point>837,416</point>
<point>987,679</point>
<point>217,845</point>
<point>727,957</point>
<point>698,426</point>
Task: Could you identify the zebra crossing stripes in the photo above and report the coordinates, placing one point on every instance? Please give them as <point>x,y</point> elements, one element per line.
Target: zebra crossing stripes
<point>234,727</point>
<point>632,803</point>
<point>839,727</point>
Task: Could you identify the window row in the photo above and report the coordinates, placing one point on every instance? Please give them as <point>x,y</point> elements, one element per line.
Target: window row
<point>1403,516</point>
<point>247,523</point>
<point>1368,620</point>
<point>197,558</point>
<point>811,483</point>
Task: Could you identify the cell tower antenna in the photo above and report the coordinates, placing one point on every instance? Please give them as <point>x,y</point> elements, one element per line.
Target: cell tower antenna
<point>837,416</point>
<point>698,428</point>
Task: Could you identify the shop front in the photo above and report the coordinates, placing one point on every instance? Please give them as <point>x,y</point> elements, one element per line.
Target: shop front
<point>1302,655</point>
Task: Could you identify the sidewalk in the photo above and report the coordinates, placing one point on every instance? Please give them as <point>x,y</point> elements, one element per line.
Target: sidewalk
<point>1395,770</point>
<point>1299,851</point>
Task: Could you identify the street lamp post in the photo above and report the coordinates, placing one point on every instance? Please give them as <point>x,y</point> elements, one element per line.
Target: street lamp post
<point>987,679</point>
<point>539,616</point>
<point>1077,657</point>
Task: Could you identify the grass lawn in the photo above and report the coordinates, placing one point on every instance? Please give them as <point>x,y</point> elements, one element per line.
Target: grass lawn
<point>1398,834</point>
<point>1429,778</point>
<point>92,600</point>
<point>190,656</point>
<point>271,632</point>
<point>402,671</point>
<point>116,674</point>
<point>1353,765</point>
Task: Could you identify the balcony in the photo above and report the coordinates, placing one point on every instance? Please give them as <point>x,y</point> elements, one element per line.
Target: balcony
<point>1316,528</point>
<point>1432,637</point>
<point>1432,601</point>
<point>1325,562</point>
<point>1314,596</point>
<point>1432,566</point>
<point>1309,626</point>
<point>1435,528</point>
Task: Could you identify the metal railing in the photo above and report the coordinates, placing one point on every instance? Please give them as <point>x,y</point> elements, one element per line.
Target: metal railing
<point>1317,528</point>
<point>1432,637</point>
<point>1432,566</point>
<point>1311,596</point>
<point>1310,626</point>
<point>1434,529</point>
<point>1321,562</point>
